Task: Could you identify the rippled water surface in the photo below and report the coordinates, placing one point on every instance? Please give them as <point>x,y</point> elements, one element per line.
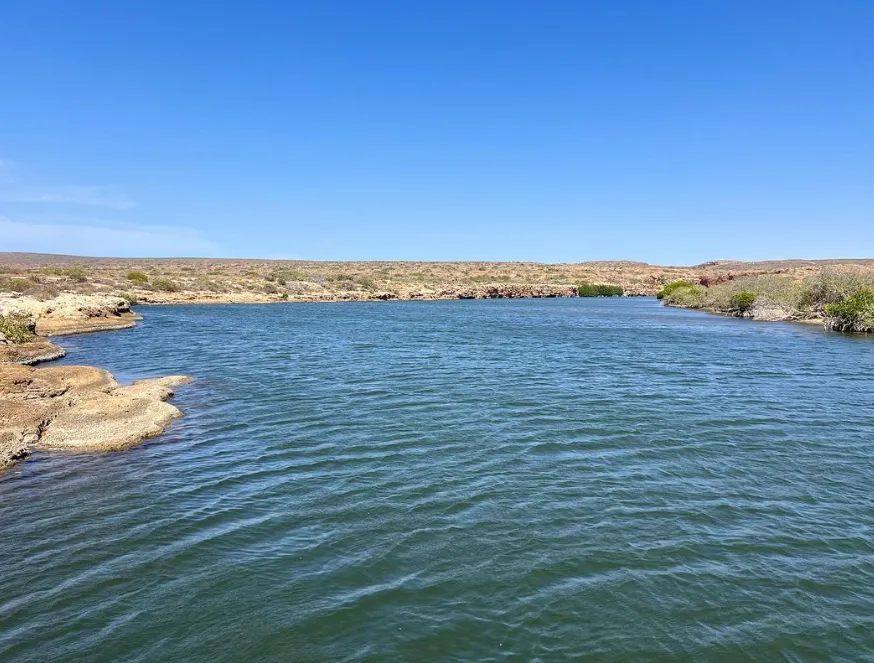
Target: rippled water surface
<point>554,480</point>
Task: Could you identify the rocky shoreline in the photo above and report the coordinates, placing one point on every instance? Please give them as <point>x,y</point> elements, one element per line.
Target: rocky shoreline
<point>73,408</point>
<point>485,291</point>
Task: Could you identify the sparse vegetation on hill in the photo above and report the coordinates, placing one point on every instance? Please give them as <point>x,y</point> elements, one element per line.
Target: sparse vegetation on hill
<point>165,285</point>
<point>794,289</point>
<point>15,284</point>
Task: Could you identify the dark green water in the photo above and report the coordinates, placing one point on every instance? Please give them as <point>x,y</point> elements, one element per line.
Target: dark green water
<point>554,480</point>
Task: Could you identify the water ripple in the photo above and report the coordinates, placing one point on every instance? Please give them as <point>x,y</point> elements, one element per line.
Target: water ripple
<point>459,481</point>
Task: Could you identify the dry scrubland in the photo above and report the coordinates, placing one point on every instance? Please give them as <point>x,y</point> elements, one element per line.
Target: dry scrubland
<point>230,280</point>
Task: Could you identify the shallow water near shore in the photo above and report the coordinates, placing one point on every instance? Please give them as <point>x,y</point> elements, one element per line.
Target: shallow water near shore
<point>538,480</point>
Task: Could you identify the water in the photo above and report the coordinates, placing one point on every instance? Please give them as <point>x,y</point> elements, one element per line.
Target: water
<point>554,480</point>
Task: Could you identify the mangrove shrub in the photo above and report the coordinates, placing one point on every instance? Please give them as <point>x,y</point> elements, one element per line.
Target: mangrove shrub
<point>671,287</point>
<point>599,290</point>
<point>742,301</point>
<point>855,313</point>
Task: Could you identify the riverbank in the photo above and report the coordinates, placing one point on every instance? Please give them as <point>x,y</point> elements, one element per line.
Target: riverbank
<point>73,408</point>
<point>840,300</point>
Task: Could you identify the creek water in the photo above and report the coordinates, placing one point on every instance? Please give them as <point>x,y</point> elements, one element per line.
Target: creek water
<point>531,480</point>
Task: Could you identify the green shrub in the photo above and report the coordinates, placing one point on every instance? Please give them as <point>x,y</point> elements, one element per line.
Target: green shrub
<point>832,287</point>
<point>131,298</point>
<point>855,313</point>
<point>74,273</point>
<point>166,285</point>
<point>671,287</point>
<point>690,296</point>
<point>17,328</point>
<point>283,276</point>
<point>742,301</point>
<point>77,274</point>
<point>284,296</point>
<point>16,284</point>
<point>137,277</point>
<point>598,290</point>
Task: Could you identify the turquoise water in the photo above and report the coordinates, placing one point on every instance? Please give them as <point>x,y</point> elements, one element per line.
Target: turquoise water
<point>546,480</point>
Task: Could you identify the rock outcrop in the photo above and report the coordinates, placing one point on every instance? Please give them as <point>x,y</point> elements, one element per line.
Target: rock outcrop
<point>771,311</point>
<point>72,314</point>
<point>78,408</point>
<point>30,352</point>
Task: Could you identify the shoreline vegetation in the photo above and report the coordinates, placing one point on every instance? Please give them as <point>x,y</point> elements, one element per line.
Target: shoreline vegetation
<point>84,408</point>
<point>842,300</point>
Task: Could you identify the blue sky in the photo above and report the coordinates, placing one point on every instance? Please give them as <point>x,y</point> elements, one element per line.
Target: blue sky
<point>672,132</point>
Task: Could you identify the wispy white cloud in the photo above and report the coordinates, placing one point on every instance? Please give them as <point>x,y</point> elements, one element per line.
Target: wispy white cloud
<point>104,239</point>
<point>14,190</point>
<point>96,196</point>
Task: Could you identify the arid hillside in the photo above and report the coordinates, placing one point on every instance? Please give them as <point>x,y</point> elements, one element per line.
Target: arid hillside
<point>161,280</point>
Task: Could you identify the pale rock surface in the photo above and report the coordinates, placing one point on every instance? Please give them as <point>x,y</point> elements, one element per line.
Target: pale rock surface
<point>70,313</point>
<point>78,408</point>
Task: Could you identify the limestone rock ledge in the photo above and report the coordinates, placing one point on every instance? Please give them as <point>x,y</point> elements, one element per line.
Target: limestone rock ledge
<point>78,408</point>
<point>71,313</point>
<point>32,352</point>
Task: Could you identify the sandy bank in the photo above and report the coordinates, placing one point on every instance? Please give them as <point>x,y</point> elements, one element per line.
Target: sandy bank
<point>79,408</point>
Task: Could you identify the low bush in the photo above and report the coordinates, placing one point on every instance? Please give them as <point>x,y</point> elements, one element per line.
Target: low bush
<point>365,282</point>
<point>671,287</point>
<point>691,296</point>
<point>598,290</point>
<point>15,284</point>
<point>742,301</point>
<point>44,292</point>
<point>832,287</point>
<point>165,285</point>
<point>137,277</point>
<point>855,313</point>
<point>77,274</point>
<point>208,285</point>
<point>17,328</point>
